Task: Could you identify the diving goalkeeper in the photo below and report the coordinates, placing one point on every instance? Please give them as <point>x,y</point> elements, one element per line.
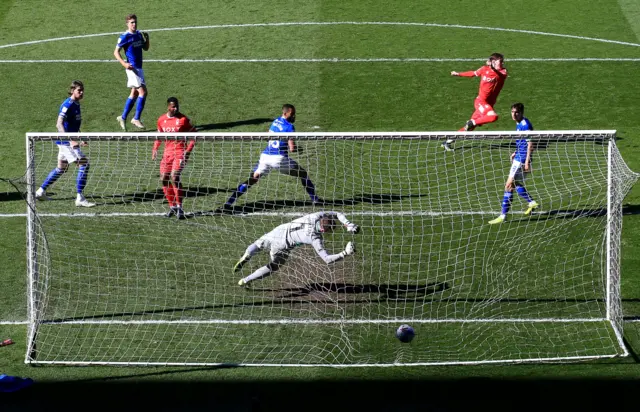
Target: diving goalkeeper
<point>306,230</point>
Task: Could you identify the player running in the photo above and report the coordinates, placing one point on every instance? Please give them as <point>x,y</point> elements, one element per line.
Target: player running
<point>69,121</point>
<point>175,156</point>
<point>492,77</point>
<point>520,163</point>
<point>133,42</point>
<point>306,230</point>
<point>276,156</point>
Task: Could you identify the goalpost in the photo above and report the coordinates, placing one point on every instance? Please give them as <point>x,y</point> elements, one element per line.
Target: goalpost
<point>121,284</point>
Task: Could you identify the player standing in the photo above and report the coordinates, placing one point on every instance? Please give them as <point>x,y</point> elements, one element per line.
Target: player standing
<point>276,156</point>
<point>133,42</point>
<point>492,77</point>
<point>69,121</point>
<point>175,155</point>
<point>520,163</point>
<point>306,230</point>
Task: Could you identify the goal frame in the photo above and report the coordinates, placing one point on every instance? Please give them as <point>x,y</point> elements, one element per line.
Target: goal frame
<point>613,240</point>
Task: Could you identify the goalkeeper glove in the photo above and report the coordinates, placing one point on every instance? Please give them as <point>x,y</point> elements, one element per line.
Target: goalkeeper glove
<point>352,228</point>
<point>349,249</point>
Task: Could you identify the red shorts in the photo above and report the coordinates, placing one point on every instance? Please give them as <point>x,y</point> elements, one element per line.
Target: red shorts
<point>482,108</point>
<point>171,162</point>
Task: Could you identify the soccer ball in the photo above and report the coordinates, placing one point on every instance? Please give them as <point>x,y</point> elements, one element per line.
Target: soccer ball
<point>405,333</point>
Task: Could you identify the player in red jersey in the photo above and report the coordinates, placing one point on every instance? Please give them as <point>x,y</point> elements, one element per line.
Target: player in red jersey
<point>492,77</point>
<point>175,155</point>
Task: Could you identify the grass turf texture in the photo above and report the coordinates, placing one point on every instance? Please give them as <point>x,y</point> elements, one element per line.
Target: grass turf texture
<point>335,97</point>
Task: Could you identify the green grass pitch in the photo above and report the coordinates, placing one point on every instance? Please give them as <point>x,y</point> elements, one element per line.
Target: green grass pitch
<point>570,92</point>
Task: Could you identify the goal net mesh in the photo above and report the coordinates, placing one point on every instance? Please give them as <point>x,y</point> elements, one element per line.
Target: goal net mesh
<point>122,284</point>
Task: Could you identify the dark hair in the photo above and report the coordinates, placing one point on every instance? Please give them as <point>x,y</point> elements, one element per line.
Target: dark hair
<point>173,100</point>
<point>130,17</point>
<point>518,106</point>
<point>74,85</point>
<point>496,56</point>
<point>286,107</point>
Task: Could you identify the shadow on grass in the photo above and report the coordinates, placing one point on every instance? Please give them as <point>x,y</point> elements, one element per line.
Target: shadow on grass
<point>261,206</point>
<point>229,125</point>
<point>146,196</point>
<point>385,292</point>
<point>373,389</point>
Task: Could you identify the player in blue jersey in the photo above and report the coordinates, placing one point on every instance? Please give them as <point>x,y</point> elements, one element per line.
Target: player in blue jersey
<point>133,42</point>
<point>276,156</point>
<point>520,163</point>
<point>69,120</point>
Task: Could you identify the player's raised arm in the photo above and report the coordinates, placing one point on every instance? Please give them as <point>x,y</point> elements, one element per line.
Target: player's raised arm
<point>464,74</point>
<point>351,227</point>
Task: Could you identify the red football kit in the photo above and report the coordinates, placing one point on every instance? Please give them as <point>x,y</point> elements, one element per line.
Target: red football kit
<point>174,150</point>
<point>174,153</point>
<point>491,82</point>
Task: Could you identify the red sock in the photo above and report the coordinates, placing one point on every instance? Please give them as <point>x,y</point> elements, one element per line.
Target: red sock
<point>168,194</point>
<point>487,118</point>
<point>179,195</point>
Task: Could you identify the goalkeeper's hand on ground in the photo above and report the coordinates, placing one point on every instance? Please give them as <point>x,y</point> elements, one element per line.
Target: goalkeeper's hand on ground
<point>349,249</point>
<point>353,228</point>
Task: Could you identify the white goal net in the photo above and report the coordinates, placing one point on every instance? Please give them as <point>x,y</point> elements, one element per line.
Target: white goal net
<point>120,283</point>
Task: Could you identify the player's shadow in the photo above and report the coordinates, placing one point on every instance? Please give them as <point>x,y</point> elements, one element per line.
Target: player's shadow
<point>385,292</point>
<point>253,207</point>
<point>313,293</point>
<point>151,195</point>
<point>11,196</point>
<point>229,125</point>
<point>575,213</point>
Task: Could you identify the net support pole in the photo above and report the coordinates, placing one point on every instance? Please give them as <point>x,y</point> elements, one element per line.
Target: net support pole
<point>32,267</point>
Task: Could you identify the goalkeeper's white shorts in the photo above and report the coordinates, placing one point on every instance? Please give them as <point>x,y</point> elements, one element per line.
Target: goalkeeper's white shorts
<point>517,172</point>
<point>276,242</point>
<point>284,164</point>
<point>69,154</point>
<point>135,78</point>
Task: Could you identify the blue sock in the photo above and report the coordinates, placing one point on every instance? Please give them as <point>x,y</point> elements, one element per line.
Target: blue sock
<point>52,177</point>
<point>239,192</point>
<point>506,202</point>
<point>523,193</point>
<point>309,187</point>
<point>128,105</point>
<point>81,179</point>
<point>140,107</point>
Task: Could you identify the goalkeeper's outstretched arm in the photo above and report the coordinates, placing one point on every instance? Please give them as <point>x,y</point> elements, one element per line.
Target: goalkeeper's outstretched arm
<point>318,245</point>
<point>351,227</point>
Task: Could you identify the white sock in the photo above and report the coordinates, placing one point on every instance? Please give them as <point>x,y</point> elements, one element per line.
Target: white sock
<point>80,198</point>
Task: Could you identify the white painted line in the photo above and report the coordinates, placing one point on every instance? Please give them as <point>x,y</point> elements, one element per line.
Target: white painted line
<point>334,23</point>
<point>12,322</point>
<point>335,60</point>
<point>330,365</point>
<point>315,321</point>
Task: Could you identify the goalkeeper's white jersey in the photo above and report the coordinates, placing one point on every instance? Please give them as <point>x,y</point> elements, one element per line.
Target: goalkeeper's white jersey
<point>301,231</point>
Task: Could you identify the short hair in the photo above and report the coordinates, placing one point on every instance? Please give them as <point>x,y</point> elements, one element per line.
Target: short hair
<point>518,106</point>
<point>496,56</point>
<point>173,100</point>
<point>130,17</point>
<point>74,85</point>
<point>286,107</point>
